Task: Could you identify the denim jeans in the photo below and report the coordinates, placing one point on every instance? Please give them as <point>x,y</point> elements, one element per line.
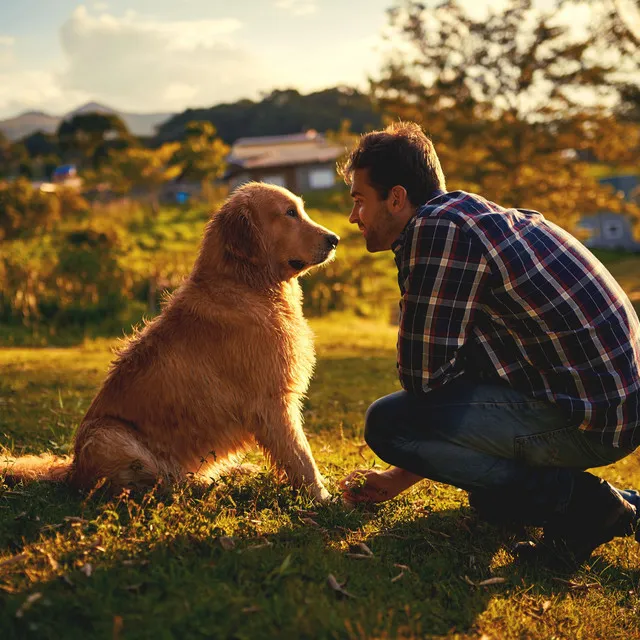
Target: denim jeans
<point>490,440</point>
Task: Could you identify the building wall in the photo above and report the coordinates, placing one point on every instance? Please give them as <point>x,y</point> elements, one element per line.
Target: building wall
<point>297,179</point>
<point>609,231</point>
<point>312,176</point>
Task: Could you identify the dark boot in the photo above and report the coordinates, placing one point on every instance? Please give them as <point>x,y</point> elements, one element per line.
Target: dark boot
<point>596,514</point>
<point>503,508</point>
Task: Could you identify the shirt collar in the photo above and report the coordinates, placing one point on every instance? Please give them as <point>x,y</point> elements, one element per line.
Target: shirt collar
<point>397,244</point>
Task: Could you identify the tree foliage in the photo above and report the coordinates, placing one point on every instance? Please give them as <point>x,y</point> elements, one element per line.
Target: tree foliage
<point>87,137</point>
<point>143,169</point>
<point>25,210</point>
<point>202,154</point>
<point>512,100</point>
<point>278,113</point>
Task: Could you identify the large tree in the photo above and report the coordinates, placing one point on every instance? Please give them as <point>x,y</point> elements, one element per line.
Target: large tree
<point>514,100</point>
<point>87,137</point>
<point>143,169</point>
<point>202,153</point>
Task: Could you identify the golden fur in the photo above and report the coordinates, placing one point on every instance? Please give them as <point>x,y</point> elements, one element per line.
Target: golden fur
<point>226,363</point>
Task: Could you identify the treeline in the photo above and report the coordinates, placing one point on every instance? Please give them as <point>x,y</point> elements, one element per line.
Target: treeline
<point>279,113</point>
<point>87,139</point>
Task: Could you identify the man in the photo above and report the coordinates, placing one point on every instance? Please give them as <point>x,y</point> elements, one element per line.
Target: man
<point>518,355</point>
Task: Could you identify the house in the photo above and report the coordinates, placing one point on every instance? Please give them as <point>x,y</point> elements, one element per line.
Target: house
<point>609,230</point>
<point>300,162</point>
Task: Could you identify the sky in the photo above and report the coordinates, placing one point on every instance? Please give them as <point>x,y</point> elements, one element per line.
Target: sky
<point>166,55</point>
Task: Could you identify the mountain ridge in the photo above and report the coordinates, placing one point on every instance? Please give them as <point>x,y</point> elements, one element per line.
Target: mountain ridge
<point>28,122</point>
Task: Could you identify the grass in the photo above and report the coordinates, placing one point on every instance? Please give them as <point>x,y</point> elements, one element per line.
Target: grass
<point>250,559</point>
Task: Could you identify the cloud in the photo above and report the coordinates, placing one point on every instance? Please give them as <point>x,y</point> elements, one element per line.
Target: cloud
<point>20,90</point>
<point>144,64</point>
<point>7,41</point>
<point>297,7</point>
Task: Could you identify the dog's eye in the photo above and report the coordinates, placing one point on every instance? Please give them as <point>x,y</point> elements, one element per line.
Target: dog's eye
<point>292,213</point>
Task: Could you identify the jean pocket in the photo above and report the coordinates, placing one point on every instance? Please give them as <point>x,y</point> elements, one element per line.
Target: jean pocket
<point>564,447</point>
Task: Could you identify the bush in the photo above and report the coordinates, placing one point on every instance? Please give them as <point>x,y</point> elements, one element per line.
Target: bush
<point>73,278</point>
<point>23,209</point>
<point>89,279</point>
<point>26,211</point>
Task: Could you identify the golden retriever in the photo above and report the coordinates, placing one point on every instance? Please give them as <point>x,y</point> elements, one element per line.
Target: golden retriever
<point>225,364</point>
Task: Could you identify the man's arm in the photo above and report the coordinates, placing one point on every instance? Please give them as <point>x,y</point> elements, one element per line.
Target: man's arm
<point>444,270</point>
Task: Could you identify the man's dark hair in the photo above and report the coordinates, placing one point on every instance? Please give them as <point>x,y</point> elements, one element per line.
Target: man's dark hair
<point>400,155</point>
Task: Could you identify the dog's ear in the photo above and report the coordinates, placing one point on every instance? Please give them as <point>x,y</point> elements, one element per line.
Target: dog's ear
<point>238,232</point>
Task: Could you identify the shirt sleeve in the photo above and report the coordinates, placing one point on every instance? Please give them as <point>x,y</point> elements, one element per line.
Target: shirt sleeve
<point>442,275</point>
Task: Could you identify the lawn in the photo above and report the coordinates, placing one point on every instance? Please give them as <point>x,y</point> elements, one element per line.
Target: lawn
<point>250,559</point>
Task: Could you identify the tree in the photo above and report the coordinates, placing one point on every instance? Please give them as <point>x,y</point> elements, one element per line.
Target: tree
<point>144,169</point>
<point>39,144</point>
<point>202,154</point>
<point>88,136</point>
<point>5,151</point>
<point>502,96</point>
<point>25,211</point>
<point>279,112</point>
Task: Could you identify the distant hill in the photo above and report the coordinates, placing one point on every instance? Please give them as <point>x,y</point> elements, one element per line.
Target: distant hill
<point>280,113</point>
<point>139,124</point>
<point>27,123</point>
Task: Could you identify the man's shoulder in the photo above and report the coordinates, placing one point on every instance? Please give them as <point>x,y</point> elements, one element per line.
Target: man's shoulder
<point>457,206</point>
<point>475,214</point>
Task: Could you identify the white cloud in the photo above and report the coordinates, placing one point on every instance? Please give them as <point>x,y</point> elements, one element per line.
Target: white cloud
<point>20,90</point>
<point>144,64</point>
<point>297,7</point>
<point>7,41</point>
<point>180,92</point>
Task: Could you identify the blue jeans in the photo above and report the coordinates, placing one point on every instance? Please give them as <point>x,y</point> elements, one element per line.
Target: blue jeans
<point>519,454</point>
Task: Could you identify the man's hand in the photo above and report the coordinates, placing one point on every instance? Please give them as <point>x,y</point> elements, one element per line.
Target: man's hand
<point>369,485</point>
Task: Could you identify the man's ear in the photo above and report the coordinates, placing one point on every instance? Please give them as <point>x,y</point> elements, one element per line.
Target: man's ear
<point>397,197</point>
<point>237,231</point>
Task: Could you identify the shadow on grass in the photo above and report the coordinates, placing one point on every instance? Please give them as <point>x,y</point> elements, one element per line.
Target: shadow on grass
<point>183,582</point>
<point>168,566</point>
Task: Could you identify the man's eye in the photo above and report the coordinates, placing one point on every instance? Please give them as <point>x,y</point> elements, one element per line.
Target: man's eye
<point>292,213</point>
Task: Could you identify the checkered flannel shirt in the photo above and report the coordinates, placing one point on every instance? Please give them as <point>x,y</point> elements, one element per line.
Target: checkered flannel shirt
<point>545,315</point>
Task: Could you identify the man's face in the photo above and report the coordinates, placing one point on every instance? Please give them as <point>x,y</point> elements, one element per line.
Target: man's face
<point>371,214</point>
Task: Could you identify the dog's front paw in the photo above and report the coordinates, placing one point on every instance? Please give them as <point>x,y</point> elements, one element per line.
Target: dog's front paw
<point>322,495</point>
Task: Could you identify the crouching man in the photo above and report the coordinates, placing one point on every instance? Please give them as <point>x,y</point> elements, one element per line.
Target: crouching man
<point>518,355</point>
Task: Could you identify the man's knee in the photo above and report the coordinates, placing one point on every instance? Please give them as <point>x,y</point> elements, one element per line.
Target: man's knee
<point>378,424</point>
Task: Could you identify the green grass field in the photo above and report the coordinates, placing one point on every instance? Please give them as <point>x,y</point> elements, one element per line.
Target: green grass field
<point>249,559</point>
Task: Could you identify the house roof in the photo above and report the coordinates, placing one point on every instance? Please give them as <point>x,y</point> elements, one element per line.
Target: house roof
<point>290,138</point>
<point>277,151</point>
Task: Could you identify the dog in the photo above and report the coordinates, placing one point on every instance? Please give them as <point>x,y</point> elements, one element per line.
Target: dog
<point>225,365</point>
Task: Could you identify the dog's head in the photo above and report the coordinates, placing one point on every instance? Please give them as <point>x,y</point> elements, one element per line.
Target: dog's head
<point>265,227</point>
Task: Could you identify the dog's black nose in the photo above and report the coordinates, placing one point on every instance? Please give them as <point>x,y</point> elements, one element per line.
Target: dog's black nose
<point>332,240</point>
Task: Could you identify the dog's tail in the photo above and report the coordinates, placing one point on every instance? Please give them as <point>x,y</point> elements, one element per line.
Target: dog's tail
<point>33,468</point>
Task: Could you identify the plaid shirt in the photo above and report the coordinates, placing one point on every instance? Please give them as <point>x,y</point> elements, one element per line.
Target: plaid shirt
<point>537,309</point>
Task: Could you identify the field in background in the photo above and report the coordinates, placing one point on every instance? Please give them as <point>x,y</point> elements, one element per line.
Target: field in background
<point>249,559</point>
<point>100,271</point>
